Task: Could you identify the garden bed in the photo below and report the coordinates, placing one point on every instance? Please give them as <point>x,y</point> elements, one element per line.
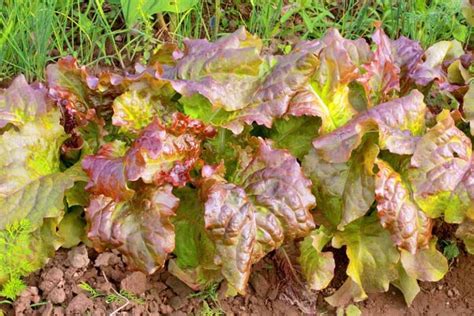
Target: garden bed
<point>55,290</point>
<point>335,177</point>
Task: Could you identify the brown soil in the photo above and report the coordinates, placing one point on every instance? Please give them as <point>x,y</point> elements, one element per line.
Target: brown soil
<point>454,295</point>
<point>55,291</point>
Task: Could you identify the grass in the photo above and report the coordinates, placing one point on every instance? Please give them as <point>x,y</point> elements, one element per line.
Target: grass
<point>37,32</point>
<point>113,297</point>
<point>210,301</point>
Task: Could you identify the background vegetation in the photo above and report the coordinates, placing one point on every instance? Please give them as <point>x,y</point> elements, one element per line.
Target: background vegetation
<point>117,33</point>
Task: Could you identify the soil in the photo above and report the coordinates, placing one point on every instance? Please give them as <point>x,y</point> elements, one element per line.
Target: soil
<point>55,290</point>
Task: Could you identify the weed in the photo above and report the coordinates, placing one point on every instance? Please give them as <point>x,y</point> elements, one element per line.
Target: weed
<point>206,310</point>
<point>93,293</point>
<point>14,257</point>
<point>116,33</point>
<point>124,294</point>
<point>450,249</point>
<point>111,298</point>
<point>209,295</point>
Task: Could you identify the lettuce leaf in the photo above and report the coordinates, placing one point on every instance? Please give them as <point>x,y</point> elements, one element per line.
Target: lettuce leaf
<point>140,104</point>
<point>139,227</point>
<point>372,256</point>
<point>409,227</point>
<point>344,191</point>
<point>131,202</point>
<point>468,107</point>
<point>399,122</point>
<point>161,154</point>
<point>426,265</point>
<point>21,103</point>
<point>382,74</point>
<point>243,87</point>
<point>268,201</point>
<point>294,134</point>
<point>431,69</point>
<point>31,183</point>
<point>340,163</point>
<point>317,265</point>
<point>438,166</point>
<point>465,232</point>
<point>407,284</point>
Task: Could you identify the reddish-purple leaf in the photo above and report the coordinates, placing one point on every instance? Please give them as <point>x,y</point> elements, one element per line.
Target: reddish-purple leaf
<point>21,103</point>
<point>382,74</point>
<point>409,227</point>
<point>399,122</point>
<point>161,154</point>
<point>140,227</point>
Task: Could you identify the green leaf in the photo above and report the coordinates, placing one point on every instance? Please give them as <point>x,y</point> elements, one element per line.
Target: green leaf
<point>15,252</point>
<point>146,98</point>
<point>72,228</point>
<point>135,109</point>
<point>372,255</point>
<point>317,266</point>
<point>12,288</point>
<point>294,134</point>
<point>198,107</point>
<point>353,310</point>
<point>136,9</point>
<point>174,6</point>
<point>426,265</point>
<point>408,285</point>
<point>193,246</point>
<point>345,191</point>
<point>77,195</point>
<point>328,183</point>
<point>465,232</point>
<point>31,183</point>
<point>44,242</point>
<point>467,9</point>
<point>468,106</point>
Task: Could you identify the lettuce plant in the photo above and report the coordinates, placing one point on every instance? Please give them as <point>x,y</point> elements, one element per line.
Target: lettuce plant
<point>211,157</point>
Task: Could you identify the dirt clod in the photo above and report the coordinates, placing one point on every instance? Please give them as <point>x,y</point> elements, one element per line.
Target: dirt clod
<point>178,287</point>
<point>177,302</point>
<point>79,304</point>
<point>58,311</point>
<point>259,284</point>
<point>47,310</point>
<point>135,283</point>
<point>105,259</point>
<point>28,297</point>
<point>57,295</point>
<point>78,257</point>
<point>163,294</point>
<point>51,279</point>
<point>166,309</point>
